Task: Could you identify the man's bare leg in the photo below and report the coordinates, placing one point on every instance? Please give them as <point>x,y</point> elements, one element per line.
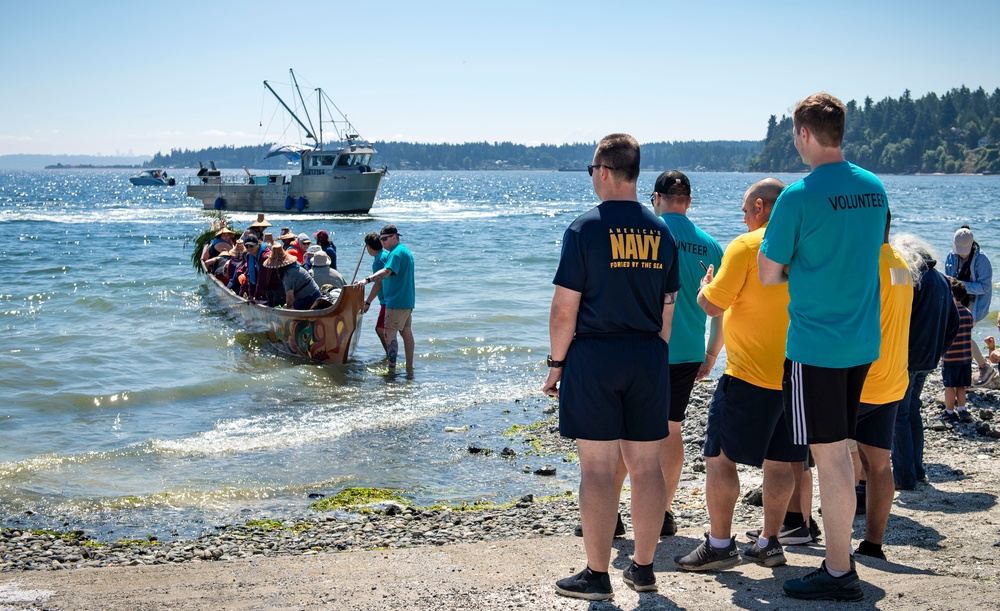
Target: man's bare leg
<point>779,482</point>
<point>642,459</point>
<point>878,467</point>
<point>599,499</point>
<point>722,490</point>
<point>836,491</point>
<point>671,463</point>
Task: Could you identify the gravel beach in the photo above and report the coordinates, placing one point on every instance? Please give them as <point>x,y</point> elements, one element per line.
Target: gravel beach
<point>947,532</point>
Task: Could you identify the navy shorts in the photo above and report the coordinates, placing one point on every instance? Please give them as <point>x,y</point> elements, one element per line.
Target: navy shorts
<point>876,424</point>
<point>747,422</point>
<point>682,377</point>
<point>956,375</point>
<point>821,403</point>
<point>615,387</point>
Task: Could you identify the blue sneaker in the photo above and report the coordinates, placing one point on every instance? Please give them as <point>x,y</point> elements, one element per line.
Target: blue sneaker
<point>821,585</point>
<point>586,585</point>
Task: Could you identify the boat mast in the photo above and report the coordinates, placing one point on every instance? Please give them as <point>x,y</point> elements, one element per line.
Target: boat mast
<point>319,104</point>
<point>290,111</point>
<point>305,109</point>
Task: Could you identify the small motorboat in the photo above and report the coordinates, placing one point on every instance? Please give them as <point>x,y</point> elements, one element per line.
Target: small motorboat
<point>152,178</point>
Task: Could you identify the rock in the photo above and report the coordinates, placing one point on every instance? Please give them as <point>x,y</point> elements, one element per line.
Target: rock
<point>546,470</point>
<point>754,497</point>
<point>475,448</point>
<point>986,414</point>
<point>456,429</point>
<point>507,452</point>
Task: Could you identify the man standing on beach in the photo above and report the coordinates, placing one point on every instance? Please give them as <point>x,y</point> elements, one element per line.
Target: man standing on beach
<point>884,388</point>
<point>399,289</point>
<point>824,239</point>
<point>609,326</point>
<point>746,421</point>
<point>689,358</point>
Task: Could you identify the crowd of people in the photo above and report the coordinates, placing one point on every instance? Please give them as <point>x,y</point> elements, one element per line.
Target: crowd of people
<point>830,330</point>
<point>293,272</point>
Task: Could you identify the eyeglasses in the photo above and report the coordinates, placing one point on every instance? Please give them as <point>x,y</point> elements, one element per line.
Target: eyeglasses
<point>652,198</point>
<point>384,237</point>
<point>590,168</point>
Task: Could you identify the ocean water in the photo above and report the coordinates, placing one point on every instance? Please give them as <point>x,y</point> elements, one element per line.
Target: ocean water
<point>132,407</point>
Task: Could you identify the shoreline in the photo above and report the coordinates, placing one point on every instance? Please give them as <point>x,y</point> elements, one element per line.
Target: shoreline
<point>929,535</point>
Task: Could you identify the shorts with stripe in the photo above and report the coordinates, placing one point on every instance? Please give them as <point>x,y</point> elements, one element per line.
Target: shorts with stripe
<point>876,424</point>
<point>682,377</point>
<point>747,422</point>
<point>615,387</point>
<point>821,403</point>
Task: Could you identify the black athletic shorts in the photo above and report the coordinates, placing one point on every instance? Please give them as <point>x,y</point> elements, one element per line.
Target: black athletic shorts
<point>747,422</point>
<point>821,403</point>
<point>682,377</point>
<point>615,387</point>
<point>876,424</point>
<point>956,375</point>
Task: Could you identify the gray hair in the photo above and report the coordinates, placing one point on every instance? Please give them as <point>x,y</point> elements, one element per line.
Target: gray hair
<point>916,252</point>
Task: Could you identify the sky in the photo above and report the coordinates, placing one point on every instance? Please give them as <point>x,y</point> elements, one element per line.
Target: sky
<point>126,78</point>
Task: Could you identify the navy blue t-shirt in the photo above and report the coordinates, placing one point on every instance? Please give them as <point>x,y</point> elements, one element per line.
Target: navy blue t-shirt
<point>623,260</point>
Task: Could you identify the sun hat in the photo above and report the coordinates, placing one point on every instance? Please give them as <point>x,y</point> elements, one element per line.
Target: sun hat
<point>269,238</point>
<point>224,230</point>
<point>279,258</point>
<point>315,248</point>
<point>288,235</point>
<point>260,222</point>
<point>321,259</point>
<point>963,242</point>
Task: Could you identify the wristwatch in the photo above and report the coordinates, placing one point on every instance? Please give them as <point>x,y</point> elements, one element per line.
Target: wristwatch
<point>551,363</point>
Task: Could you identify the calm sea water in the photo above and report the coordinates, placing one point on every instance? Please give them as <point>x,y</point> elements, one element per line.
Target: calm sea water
<point>131,407</point>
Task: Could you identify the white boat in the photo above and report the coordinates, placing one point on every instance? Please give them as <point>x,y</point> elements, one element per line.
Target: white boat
<point>152,178</point>
<point>333,177</point>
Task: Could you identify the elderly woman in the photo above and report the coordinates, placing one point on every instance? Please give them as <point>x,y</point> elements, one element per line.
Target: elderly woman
<point>967,263</point>
<point>323,239</point>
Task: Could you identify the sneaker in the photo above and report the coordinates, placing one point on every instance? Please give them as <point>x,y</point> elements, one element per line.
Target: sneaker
<point>869,549</point>
<point>795,535</point>
<point>769,555</point>
<point>964,415</point>
<point>669,527</point>
<point>861,494</point>
<point>947,418</point>
<point>707,558</point>
<point>579,586</point>
<point>619,528</point>
<point>985,375</point>
<point>641,578</point>
<point>820,585</point>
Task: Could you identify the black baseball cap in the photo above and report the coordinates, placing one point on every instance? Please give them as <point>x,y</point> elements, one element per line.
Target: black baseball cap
<point>673,182</point>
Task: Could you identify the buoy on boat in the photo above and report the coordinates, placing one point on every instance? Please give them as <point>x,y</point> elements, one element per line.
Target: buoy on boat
<point>301,204</point>
<point>219,203</point>
<point>289,202</point>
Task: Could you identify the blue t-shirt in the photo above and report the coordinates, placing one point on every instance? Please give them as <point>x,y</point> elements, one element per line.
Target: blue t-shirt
<point>623,261</point>
<point>694,247</point>
<point>378,262</point>
<point>829,227</point>
<point>399,288</point>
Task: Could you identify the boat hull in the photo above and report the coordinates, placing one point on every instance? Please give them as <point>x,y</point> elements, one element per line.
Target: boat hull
<point>142,181</point>
<point>327,336</point>
<point>347,192</point>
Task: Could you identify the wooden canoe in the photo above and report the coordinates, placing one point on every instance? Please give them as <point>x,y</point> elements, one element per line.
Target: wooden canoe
<point>327,336</point>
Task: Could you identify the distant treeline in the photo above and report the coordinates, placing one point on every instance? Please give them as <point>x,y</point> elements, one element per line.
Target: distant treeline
<point>718,156</point>
<point>957,132</point>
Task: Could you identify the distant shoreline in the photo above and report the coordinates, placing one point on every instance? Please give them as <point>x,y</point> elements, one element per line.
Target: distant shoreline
<point>89,166</point>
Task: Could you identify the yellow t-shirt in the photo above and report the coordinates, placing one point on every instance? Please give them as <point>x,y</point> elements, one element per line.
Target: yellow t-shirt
<point>756,320</point>
<point>887,379</point>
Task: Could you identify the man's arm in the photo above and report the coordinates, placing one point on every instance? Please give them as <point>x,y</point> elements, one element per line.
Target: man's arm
<point>710,308</point>
<point>378,276</point>
<point>715,341</point>
<point>984,273</point>
<point>770,272</point>
<point>668,316</point>
<point>562,327</point>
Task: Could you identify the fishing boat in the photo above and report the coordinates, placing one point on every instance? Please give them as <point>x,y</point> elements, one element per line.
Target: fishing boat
<point>335,177</point>
<point>152,178</point>
<point>328,336</point>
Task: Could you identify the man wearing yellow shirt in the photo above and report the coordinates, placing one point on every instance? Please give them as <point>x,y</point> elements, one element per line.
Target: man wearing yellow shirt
<point>746,421</point>
<point>884,388</point>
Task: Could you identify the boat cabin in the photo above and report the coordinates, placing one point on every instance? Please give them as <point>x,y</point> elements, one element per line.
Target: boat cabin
<point>355,157</point>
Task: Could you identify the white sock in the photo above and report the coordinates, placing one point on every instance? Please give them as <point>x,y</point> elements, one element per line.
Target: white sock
<point>961,408</point>
<point>834,573</point>
<point>761,542</point>
<point>719,543</point>
<point>949,411</point>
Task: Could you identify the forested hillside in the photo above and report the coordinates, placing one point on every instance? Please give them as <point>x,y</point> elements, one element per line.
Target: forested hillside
<point>957,132</point>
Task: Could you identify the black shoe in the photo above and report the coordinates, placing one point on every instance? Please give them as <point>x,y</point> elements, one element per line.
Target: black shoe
<point>798,535</point>
<point>769,555</point>
<point>641,578</point>
<point>821,585</point>
<point>870,549</point>
<point>707,558</point>
<point>669,527</point>
<point>861,492</point>
<point>579,586</point>
<point>619,528</point>
<point>964,415</point>
<point>947,418</point>
<point>814,530</point>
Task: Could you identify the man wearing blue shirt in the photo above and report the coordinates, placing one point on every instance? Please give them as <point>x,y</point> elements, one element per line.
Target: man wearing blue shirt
<point>824,239</point>
<point>399,289</point>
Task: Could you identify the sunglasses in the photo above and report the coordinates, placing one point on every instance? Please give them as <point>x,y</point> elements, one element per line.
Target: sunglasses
<point>385,237</point>
<point>590,168</point>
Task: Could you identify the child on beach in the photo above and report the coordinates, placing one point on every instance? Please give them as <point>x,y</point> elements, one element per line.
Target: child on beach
<point>956,364</point>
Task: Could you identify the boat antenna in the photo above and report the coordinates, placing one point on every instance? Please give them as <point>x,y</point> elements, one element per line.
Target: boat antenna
<point>305,109</point>
<point>290,111</point>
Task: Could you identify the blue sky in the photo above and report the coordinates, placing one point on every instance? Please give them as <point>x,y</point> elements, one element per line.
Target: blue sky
<point>117,77</point>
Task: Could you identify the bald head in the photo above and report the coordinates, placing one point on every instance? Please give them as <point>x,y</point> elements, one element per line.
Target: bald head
<point>759,200</point>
